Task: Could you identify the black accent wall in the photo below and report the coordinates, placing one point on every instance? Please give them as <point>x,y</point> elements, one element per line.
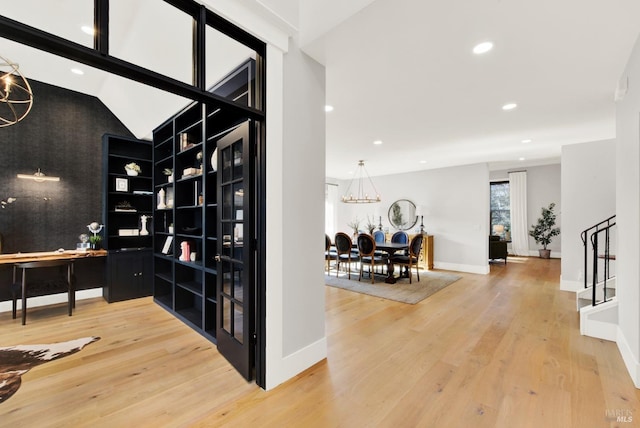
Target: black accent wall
<point>62,135</point>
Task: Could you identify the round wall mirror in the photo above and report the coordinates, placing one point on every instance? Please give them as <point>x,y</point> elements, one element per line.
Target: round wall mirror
<point>402,214</point>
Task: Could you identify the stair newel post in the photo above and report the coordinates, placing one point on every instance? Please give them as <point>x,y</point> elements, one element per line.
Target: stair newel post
<point>594,242</point>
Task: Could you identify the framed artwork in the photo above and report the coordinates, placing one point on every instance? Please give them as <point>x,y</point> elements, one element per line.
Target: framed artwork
<point>122,185</point>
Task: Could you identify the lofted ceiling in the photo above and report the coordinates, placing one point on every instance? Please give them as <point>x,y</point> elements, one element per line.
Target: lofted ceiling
<point>398,71</point>
<point>403,72</point>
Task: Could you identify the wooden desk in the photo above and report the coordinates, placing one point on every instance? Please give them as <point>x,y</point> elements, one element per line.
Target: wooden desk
<point>24,261</point>
<point>49,255</point>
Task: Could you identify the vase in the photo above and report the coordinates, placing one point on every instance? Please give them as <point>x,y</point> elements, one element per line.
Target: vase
<point>131,172</point>
<point>545,254</point>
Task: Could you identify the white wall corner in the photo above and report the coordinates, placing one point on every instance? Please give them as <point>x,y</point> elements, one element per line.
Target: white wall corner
<point>569,285</point>
<point>630,360</point>
<point>482,270</point>
<point>296,363</point>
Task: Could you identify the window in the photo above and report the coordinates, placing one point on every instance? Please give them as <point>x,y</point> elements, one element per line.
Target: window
<point>500,207</point>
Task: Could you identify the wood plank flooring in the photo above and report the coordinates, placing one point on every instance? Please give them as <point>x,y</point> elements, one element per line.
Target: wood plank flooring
<point>498,350</point>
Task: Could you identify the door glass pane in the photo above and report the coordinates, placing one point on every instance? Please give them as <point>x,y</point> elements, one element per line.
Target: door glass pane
<point>227,244</point>
<point>237,161</point>
<point>238,286</point>
<point>227,279</point>
<point>238,322</point>
<point>226,314</point>
<point>226,165</point>
<point>227,203</point>
<point>238,201</point>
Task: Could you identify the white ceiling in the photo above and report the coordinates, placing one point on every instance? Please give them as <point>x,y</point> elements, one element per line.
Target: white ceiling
<point>400,71</point>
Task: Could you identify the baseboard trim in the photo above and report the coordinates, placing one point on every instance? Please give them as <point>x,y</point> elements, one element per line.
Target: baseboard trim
<point>294,364</point>
<point>482,270</point>
<point>630,361</point>
<point>554,254</point>
<point>52,299</point>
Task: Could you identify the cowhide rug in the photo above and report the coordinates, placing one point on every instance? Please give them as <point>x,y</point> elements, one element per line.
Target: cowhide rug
<point>17,360</point>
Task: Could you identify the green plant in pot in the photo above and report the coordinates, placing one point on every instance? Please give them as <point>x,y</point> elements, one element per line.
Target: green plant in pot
<point>95,241</point>
<point>544,230</point>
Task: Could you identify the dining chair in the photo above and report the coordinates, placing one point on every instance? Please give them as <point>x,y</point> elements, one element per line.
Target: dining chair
<point>367,249</point>
<point>411,259</point>
<point>344,252</point>
<point>329,254</point>
<point>379,236</point>
<point>400,237</point>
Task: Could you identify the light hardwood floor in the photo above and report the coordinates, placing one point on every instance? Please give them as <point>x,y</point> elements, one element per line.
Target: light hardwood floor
<point>498,350</point>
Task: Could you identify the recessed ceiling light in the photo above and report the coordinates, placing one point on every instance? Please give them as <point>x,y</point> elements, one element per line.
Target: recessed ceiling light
<point>377,142</point>
<point>87,29</point>
<point>483,47</point>
<point>527,141</point>
<point>509,106</point>
<point>423,161</point>
<point>77,71</point>
<point>328,108</point>
<point>521,159</point>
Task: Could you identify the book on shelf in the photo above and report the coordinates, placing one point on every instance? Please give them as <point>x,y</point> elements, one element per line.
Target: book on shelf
<point>126,210</point>
<point>142,192</point>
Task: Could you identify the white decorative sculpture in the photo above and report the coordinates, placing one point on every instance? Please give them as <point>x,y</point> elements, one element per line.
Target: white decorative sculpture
<point>143,221</point>
<point>161,203</point>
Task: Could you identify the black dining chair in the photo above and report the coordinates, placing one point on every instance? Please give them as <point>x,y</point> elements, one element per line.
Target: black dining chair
<point>344,251</point>
<point>367,249</point>
<point>329,254</point>
<point>411,259</point>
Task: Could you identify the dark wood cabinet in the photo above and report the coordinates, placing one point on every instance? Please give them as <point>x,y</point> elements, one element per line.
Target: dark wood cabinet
<point>127,217</point>
<point>129,275</point>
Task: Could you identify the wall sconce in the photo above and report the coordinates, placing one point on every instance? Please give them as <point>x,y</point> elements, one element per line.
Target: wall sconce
<point>38,176</point>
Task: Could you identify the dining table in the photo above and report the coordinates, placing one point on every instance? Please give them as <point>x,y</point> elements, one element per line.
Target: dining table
<point>390,248</point>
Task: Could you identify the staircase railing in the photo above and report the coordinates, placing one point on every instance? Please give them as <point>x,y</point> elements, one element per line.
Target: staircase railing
<point>593,234</point>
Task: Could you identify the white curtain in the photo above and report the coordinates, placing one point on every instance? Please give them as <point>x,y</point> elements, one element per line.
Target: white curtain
<point>519,225</point>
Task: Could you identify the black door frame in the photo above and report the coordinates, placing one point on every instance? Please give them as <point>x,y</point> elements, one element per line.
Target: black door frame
<point>99,58</point>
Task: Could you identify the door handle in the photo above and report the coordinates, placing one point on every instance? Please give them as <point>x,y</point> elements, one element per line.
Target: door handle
<point>217,257</point>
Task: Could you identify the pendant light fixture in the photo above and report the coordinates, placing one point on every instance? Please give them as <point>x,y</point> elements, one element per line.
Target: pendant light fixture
<point>365,191</point>
<point>16,97</point>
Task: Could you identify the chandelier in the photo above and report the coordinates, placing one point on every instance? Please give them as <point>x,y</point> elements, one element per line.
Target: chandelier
<point>362,196</point>
<point>16,97</point>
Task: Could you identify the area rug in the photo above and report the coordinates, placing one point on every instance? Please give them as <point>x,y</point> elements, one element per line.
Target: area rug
<point>401,291</point>
<point>17,360</point>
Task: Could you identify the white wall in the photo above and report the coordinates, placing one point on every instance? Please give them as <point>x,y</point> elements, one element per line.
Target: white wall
<point>588,197</point>
<point>543,187</point>
<point>295,337</point>
<point>457,204</point>
<point>628,216</point>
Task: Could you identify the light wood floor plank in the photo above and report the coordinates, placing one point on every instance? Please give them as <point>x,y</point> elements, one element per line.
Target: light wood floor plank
<point>500,350</point>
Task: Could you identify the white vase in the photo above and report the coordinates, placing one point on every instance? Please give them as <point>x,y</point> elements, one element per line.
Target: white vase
<point>131,172</point>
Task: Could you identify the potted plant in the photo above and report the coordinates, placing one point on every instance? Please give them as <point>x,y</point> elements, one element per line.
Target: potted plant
<point>132,168</point>
<point>355,225</point>
<point>371,226</point>
<point>94,242</point>
<point>544,230</point>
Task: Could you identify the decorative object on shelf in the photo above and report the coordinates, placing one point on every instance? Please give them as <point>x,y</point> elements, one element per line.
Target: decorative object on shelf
<point>161,200</point>
<point>188,172</point>
<point>380,223</point>
<point>169,173</point>
<point>362,196</point>
<point>199,159</point>
<point>132,169</point>
<point>370,225</point>
<point>186,141</point>
<point>185,254</point>
<point>16,97</point>
<point>95,241</point>
<point>355,226</point>
<point>143,222</point>
<point>402,214</point>
<point>122,185</point>
<point>544,230</point>
<point>498,230</point>
<point>170,228</point>
<point>420,212</point>
<point>125,206</point>
<point>214,160</point>
<point>193,256</point>
<point>38,176</point>
<point>166,248</point>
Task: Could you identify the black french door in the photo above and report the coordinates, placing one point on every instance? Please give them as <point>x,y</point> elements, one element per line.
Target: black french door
<point>235,326</point>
